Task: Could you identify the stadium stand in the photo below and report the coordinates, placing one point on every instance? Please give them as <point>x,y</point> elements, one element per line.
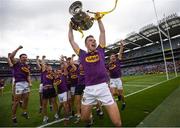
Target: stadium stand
<point>143,53</point>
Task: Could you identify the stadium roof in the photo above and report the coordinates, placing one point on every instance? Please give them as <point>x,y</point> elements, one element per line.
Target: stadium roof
<point>149,34</point>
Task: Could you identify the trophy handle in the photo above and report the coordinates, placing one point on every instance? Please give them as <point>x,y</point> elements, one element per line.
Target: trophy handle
<point>75,7</point>
<point>97,15</point>
<point>103,13</point>
<point>91,12</point>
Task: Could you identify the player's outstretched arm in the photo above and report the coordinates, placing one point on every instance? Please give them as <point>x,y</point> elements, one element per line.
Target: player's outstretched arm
<point>43,63</point>
<point>102,36</point>
<point>9,60</point>
<point>65,68</point>
<point>38,62</point>
<point>71,39</point>
<point>121,49</point>
<point>72,63</point>
<point>12,55</point>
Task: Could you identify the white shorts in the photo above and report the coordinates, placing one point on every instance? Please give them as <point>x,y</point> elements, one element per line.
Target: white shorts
<point>98,92</point>
<point>116,83</point>
<point>1,87</point>
<point>72,91</point>
<point>22,87</point>
<point>41,88</point>
<point>69,95</point>
<point>63,97</point>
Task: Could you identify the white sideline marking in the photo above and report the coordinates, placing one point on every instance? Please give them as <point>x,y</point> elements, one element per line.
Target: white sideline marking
<point>135,85</point>
<point>139,83</point>
<point>148,87</point>
<point>56,121</point>
<point>116,99</point>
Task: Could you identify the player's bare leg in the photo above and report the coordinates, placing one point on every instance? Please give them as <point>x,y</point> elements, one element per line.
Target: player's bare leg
<point>17,98</point>
<point>121,97</point>
<point>25,105</point>
<point>114,114</point>
<point>86,113</point>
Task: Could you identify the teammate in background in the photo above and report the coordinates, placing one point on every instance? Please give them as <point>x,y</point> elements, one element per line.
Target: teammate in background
<point>1,86</point>
<point>38,62</point>
<point>69,88</point>
<point>69,93</point>
<point>96,77</point>
<point>114,68</point>
<point>13,80</point>
<point>79,91</point>
<point>60,82</point>
<point>49,92</point>
<point>72,74</point>
<point>21,74</point>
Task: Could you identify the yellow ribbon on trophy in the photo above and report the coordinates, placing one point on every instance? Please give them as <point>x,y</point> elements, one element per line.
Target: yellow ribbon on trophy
<point>103,13</point>
<point>98,15</point>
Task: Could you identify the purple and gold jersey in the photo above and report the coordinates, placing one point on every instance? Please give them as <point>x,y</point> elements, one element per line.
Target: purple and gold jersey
<point>61,84</point>
<point>94,66</point>
<point>81,77</point>
<point>73,75</point>
<point>47,78</point>
<point>115,69</point>
<point>21,72</point>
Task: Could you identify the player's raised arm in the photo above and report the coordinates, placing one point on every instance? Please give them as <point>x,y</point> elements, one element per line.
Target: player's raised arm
<point>65,71</point>
<point>102,36</point>
<point>9,60</point>
<point>121,49</point>
<point>72,63</point>
<point>43,63</point>
<point>38,62</point>
<point>71,40</point>
<point>12,55</point>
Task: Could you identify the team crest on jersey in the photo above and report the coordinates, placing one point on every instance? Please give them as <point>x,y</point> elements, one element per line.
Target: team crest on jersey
<point>49,76</point>
<point>72,70</point>
<point>112,66</point>
<point>58,82</point>
<point>92,59</point>
<point>73,76</point>
<point>25,69</point>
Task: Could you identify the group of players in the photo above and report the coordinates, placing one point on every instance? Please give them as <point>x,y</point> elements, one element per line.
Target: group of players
<point>90,78</point>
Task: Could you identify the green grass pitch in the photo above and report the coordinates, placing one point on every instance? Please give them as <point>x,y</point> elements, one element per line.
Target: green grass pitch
<point>139,105</point>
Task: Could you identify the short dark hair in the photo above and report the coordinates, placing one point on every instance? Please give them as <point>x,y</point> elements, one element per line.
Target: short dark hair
<point>113,54</point>
<point>22,55</point>
<point>88,37</point>
<point>69,58</point>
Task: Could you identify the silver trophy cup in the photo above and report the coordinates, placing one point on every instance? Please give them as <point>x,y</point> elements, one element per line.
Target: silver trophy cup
<point>80,19</point>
